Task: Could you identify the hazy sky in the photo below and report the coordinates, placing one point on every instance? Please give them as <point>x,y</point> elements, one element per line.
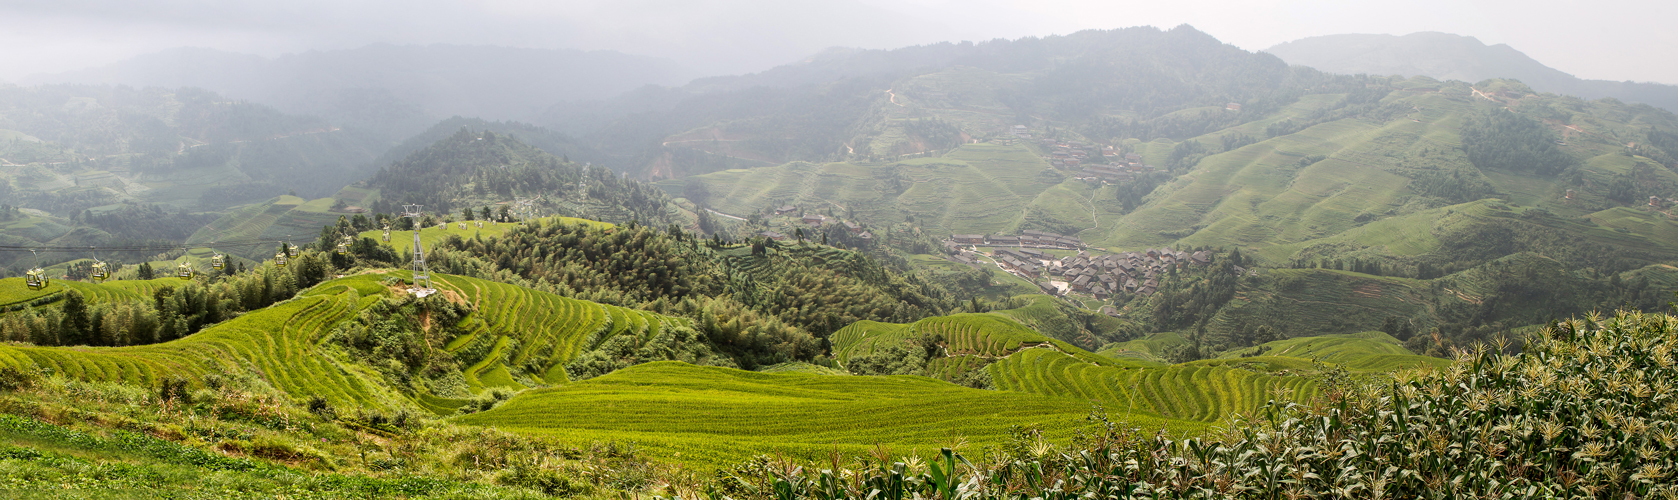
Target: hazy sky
<point>1614,40</point>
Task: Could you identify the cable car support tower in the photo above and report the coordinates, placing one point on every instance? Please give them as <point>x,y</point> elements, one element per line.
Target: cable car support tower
<point>422,278</point>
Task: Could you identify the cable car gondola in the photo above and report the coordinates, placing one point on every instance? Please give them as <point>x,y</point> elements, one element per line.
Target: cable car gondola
<point>291,250</point>
<point>36,279</point>
<point>387,233</point>
<point>279,259</point>
<point>99,271</point>
<point>218,261</point>
<point>184,270</point>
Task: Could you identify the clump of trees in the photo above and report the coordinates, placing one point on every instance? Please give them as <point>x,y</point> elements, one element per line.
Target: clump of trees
<point>1503,140</point>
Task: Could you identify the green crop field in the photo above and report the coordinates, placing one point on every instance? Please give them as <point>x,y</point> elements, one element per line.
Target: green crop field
<point>709,416</point>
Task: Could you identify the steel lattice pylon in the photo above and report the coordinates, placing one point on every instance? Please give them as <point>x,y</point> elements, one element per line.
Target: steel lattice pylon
<point>422,277</point>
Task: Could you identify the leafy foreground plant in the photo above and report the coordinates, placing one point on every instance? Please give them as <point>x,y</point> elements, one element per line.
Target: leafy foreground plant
<point>1586,411</point>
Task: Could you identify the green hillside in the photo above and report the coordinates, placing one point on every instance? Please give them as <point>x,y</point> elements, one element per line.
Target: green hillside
<point>717,416</point>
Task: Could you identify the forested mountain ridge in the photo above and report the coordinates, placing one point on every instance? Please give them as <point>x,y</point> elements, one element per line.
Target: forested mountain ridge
<point>552,142</point>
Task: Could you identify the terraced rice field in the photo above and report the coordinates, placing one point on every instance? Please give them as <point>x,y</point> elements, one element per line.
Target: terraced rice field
<point>1187,392</point>
<point>276,344</point>
<point>535,334</point>
<point>14,295</point>
<point>14,292</point>
<point>709,416</point>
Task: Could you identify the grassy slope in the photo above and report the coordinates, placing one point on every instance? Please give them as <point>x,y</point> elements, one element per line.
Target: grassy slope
<point>717,416</point>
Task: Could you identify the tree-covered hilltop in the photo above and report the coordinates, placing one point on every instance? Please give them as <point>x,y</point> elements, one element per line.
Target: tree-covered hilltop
<point>550,141</point>
<point>475,169</point>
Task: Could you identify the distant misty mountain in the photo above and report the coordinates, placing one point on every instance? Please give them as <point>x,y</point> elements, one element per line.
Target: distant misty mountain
<point>822,108</point>
<point>396,89</point>
<point>1454,57</point>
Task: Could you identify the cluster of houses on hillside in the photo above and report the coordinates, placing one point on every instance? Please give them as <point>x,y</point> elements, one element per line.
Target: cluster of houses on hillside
<point>1135,272</point>
<point>1101,276</point>
<point>1064,154</point>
